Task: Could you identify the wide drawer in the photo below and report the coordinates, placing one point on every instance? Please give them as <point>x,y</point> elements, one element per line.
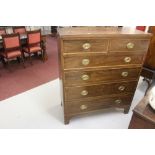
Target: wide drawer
<point>76,107</point>
<point>128,45</point>
<point>81,92</point>
<point>73,46</point>
<point>110,59</point>
<point>91,76</point>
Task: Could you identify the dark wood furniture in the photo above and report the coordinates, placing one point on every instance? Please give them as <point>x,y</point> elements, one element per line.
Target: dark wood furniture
<point>12,47</point>
<point>2,31</point>
<point>23,40</point>
<point>19,29</point>
<point>33,44</point>
<point>54,30</point>
<point>150,57</point>
<point>149,76</point>
<point>148,70</point>
<point>143,116</point>
<point>99,67</point>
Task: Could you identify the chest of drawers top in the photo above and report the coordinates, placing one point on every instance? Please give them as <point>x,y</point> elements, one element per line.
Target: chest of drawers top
<point>103,32</point>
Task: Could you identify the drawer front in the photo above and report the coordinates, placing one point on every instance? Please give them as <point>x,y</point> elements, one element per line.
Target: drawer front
<point>111,59</point>
<point>85,77</point>
<point>76,107</point>
<point>81,92</point>
<point>73,46</point>
<point>128,45</point>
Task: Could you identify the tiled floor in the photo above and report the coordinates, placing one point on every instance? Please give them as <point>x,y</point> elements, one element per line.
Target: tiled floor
<point>40,108</point>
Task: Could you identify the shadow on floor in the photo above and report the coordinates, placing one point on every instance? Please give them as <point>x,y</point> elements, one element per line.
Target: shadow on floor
<point>57,112</point>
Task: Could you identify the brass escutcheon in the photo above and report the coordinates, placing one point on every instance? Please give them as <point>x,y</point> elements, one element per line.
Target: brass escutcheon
<point>83,107</point>
<point>84,93</point>
<point>130,45</point>
<point>121,88</point>
<point>85,77</point>
<point>86,46</point>
<point>85,62</point>
<point>118,101</point>
<point>127,59</point>
<point>124,74</point>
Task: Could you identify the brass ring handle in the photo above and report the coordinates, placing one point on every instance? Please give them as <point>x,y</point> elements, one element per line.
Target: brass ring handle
<point>85,62</point>
<point>124,74</point>
<point>127,59</point>
<point>118,101</point>
<point>86,46</point>
<point>121,88</point>
<point>85,77</point>
<point>130,45</point>
<point>83,107</point>
<point>84,92</point>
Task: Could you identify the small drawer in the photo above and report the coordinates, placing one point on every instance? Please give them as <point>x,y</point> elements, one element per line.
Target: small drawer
<point>81,92</point>
<point>89,76</point>
<point>76,107</point>
<point>75,46</point>
<point>128,45</point>
<point>111,59</point>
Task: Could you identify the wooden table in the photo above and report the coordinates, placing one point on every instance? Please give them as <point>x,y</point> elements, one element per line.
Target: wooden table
<point>23,38</point>
<point>143,115</point>
<point>149,76</point>
<point>148,70</point>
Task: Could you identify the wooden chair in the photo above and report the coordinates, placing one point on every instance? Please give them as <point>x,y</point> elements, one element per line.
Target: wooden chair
<point>12,48</point>
<point>2,31</point>
<point>141,28</point>
<point>33,43</point>
<point>19,29</point>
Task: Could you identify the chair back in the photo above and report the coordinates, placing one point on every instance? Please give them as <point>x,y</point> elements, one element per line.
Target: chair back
<point>19,29</point>
<point>2,31</point>
<point>11,41</point>
<point>141,28</point>
<point>34,37</point>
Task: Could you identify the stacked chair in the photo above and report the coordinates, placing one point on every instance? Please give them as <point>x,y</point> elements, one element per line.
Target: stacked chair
<point>33,43</point>
<point>13,48</point>
<point>19,29</point>
<point>2,31</point>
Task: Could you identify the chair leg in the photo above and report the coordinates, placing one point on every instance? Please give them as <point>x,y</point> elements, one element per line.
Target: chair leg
<point>0,60</point>
<point>42,55</point>
<point>8,65</point>
<point>18,59</point>
<point>3,61</point>
<point>22,58</point>
<point>30,59</point>
<point>23,55</point>
<point>37,55</point>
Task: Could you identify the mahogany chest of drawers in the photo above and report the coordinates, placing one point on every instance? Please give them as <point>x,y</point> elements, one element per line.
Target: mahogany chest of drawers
<point>99,67</point>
